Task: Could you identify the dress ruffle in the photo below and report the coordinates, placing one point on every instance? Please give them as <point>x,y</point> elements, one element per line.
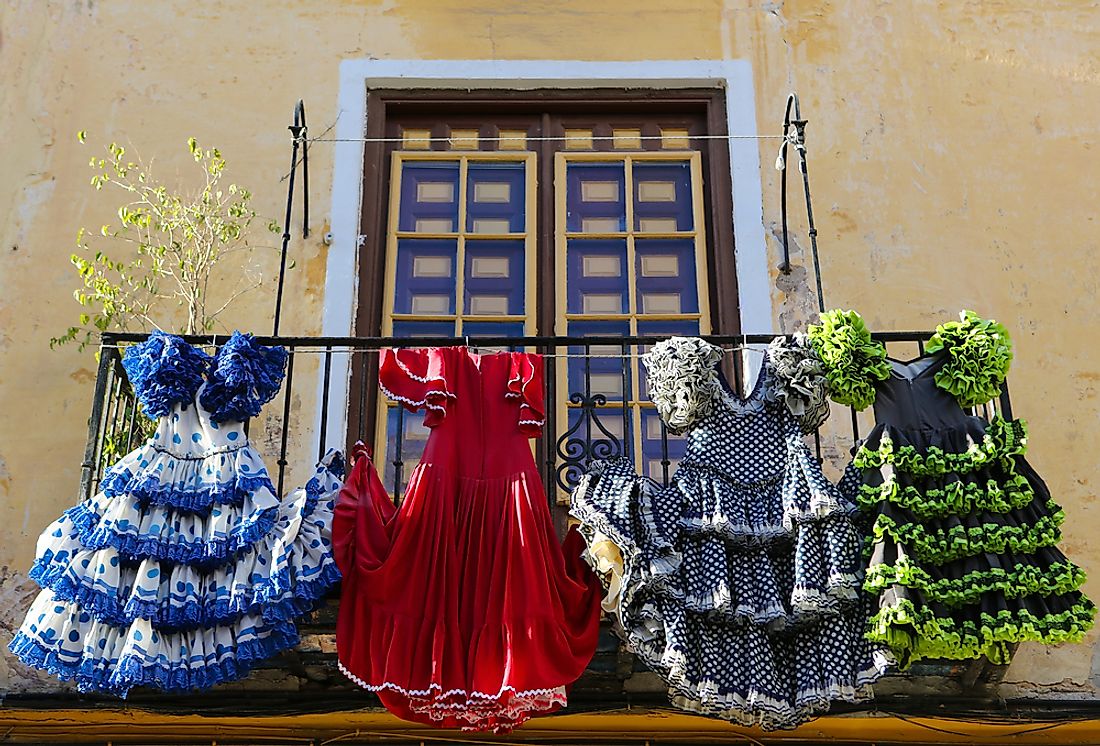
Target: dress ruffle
<point>711,565</point>
<point>153,475</point>
<point>952,451</point>
<point>138,531</point>
<point>71,643</point>
<point>525,386</point>
<point>281,575</point>
<point>417,379</point>
<point>800,382</point>
<point>853,361</point>
<point>683,382</point>
<point>164,371</point>
<point>962,552</point>
<point>245,376</point>
<point>979,353</point>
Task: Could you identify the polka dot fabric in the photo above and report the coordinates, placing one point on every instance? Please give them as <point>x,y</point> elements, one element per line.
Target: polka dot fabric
<point>740,581</point>
<point>186,568</point>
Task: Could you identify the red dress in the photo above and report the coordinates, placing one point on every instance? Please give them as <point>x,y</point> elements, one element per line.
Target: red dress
<point>459,608</point>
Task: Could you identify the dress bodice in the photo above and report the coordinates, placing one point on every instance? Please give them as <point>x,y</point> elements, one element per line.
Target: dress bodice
<point>964,365</point>
<point>742,439</point>
<point>910,399</point>
<point>481,408</point>
<point>174,379</point>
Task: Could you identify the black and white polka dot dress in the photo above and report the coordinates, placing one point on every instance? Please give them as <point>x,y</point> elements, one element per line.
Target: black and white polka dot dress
<point>739,583</point>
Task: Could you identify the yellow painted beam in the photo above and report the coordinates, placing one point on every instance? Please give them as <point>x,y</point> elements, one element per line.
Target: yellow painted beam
<point>125,725</point>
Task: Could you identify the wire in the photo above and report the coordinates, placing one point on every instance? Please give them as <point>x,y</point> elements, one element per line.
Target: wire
<point>547,138</point>
<point>302,350</point>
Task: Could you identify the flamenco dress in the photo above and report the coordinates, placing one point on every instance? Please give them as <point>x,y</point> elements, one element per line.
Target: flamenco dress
<point>459,607</point>
<point>739,582</point>
<point>185,569</point>
<point>962,552</point>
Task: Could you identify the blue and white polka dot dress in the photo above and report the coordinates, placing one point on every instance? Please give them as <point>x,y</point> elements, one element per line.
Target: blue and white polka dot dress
<point>739,582</point>
<point>186,568</point>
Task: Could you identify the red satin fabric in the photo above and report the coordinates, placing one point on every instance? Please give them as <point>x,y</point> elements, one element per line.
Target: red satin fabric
<point>460,608</point>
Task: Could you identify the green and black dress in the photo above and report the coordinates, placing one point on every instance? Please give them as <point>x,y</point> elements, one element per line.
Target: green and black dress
<point>962,554</point>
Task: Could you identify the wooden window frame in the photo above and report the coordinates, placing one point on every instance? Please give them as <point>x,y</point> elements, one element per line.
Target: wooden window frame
<point>632,401</point>
<point>385,106</point>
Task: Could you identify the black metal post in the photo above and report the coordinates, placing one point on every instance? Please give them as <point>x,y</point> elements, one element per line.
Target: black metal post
<point>298,132</point>
<point>797,138</point>
<point>88,466</point>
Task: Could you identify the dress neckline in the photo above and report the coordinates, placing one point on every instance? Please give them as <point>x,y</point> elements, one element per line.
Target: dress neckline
<point>921,364</point>
<point>734,400</point>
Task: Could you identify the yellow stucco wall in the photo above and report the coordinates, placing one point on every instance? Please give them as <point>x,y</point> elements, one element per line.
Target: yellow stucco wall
<point>951,150</point>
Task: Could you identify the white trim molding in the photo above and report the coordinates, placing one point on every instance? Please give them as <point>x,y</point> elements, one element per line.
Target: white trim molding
<point>360,75</point>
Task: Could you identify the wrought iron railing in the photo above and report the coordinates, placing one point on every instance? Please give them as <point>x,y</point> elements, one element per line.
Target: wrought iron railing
<point>583,421</point>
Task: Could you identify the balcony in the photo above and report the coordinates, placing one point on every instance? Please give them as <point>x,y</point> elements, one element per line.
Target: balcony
<point>584,421</point>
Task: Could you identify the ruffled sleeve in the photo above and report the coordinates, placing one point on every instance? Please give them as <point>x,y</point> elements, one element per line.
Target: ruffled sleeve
<point>683,381</point>
<point>799,380</point>
<point>979,353</point>
<point>164,371</point>
<point>853,361</point>
<point>525,385</point>
<point>245,376</point>
<point>418,380</point>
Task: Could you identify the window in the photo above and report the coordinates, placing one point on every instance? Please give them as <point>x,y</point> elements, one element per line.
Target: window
<point>630,248</point>
<point>554,213</point>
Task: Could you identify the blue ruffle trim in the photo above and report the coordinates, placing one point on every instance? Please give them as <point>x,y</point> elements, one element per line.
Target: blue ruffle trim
<point>106,606</point>
<point>150,490</point>
<point>95,674</point>
<point>164,371</point>
<point>245,376</point>
<point>198,552</point>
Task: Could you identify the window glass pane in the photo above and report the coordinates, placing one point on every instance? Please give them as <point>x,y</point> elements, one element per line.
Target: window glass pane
<point>495,198</point>
<point>595,201</point>
<point>607,372</point>
<point>414,435</point>
<point>606,429</point>
<point>665,269</point>
<point>475,329</point>
<point>425,280</point>
<point>654,448</point>
<point>596,276</point>
<point>662,197</point>
<point>429,197</point>
<point>495,279</point>
<point>423,328</point>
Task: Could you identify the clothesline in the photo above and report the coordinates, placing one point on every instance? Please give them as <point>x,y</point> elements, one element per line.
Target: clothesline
<point>554,355</point>
<point>543,138</point>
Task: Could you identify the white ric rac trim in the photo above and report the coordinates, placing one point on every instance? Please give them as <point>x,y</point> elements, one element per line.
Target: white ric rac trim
<point>437,690</point>
<point>422,403</point>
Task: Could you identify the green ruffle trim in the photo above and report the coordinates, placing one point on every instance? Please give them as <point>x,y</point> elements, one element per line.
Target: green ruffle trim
<point>979,353</point>
<point>1027,580</point>
<point>914,634</point>
<point>1003,438</point>
<point>853,361</point>
<point>957,498</point>
<point>960,541</point>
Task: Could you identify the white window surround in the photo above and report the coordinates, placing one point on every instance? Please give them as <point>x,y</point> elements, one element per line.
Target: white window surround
<point>357,76</point>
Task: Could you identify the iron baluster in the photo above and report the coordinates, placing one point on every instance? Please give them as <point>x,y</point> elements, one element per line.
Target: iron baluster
<point>289,385</point>
<point>95,421</point>
<point>398,463</point>
<point>326,380</point>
